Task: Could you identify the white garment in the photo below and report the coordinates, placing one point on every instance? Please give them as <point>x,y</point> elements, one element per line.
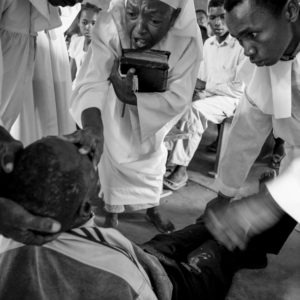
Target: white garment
<point>19,22</point>
<point>76,50</point>
<point>133,160</point>
<point>249,130</point>
<point>285,189</point>
<point>219,70</point>
<point>47,101</point>
<point>220,65</point>
<point>1,78</point>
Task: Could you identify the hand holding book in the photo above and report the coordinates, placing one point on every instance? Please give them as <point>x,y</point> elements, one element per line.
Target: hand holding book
<point>123,85</point>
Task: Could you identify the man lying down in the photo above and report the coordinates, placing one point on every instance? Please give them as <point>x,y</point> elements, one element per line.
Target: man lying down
<point>52,179</point>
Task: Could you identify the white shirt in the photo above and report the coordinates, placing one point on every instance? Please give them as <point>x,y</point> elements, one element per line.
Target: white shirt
<point>219,67</point>
<point>76,50</point>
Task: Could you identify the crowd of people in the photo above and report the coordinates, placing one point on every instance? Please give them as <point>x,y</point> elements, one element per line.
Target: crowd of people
<point>239,59</point>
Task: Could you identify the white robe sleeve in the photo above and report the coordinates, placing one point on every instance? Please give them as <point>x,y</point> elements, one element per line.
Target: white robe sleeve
<point>249,130</point>
<point>92,84</point>
<point>158,109</point>
<point>2,8</point>
<point>1,79</point>
<point>285,190</point>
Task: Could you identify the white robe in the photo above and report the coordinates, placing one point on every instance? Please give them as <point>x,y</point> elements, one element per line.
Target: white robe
<point>133,160</point>
<point>253,122</point>
<point>20,20</point>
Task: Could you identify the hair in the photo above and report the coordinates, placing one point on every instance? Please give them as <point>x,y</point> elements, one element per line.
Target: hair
<point>50,179</point>
<point>215,3</point>
<point>274,6</point>
<point>201,11</point>
<point>88,6</point>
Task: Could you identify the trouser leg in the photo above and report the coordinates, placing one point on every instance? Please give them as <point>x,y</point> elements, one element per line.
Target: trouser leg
<point>181,242</point>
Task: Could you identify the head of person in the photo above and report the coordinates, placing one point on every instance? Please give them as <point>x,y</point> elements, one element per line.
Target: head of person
<point>87,18</point>
<point>201,17</point>
<point>64,2</point>
<point>148,21</point>
<point>52,179</point>
<point>267,29</point>
<point>216,18</point>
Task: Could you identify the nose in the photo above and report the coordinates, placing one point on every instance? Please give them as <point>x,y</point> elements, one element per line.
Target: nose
<point>249,50</point>
<point>88,26</point>
<point>218,21</point>
<point>140,26</point>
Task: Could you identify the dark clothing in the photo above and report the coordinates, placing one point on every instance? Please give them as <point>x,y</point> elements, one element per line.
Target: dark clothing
<point>216,276</point>
<point>204,33</point>
<point>215,279</point>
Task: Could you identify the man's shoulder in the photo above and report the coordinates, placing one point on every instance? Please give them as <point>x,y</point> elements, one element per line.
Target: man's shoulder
<point>209,42</point>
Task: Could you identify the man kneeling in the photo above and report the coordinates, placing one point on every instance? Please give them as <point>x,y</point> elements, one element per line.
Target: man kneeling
<point>51,179</point>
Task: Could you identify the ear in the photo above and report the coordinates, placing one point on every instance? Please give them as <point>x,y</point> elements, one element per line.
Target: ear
<point>85,209</point>
<point>175,16</point>
<point>292,10</point>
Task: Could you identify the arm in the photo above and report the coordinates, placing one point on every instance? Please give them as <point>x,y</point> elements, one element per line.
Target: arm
<point>249,130</point>
<point>243,219</point>
<point>73,68</point>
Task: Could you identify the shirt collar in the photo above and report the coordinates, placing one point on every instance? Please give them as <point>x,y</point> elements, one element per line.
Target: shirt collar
<point>230,41</point>
<point>292,56</point>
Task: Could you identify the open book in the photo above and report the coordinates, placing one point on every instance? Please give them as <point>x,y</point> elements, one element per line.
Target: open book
<point>151,68</point>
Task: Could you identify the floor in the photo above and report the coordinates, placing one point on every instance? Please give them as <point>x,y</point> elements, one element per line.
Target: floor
<point>279,281</point>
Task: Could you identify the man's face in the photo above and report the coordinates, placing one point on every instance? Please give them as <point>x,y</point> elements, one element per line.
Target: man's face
<point>148,21</point>
<point>64,2</point>
<point>201,18</point>
<point>87,22</point>
<point>216,17</point>
<point>263,36</point>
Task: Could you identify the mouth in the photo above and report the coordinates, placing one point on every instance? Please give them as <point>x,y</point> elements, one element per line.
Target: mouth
<point>140,43</point>
<point>259,63</point>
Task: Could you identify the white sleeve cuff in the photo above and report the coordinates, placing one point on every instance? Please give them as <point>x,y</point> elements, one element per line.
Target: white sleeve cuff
<point>285,190</point>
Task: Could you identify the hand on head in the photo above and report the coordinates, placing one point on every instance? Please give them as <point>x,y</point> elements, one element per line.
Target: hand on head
<point>20,225</point>
<point>50,180</point>
<point>9,147</point>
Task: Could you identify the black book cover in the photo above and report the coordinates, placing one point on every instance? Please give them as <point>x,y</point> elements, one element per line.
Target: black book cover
<point>151,68</point>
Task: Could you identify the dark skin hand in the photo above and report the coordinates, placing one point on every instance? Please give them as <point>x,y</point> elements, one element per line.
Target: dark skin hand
<point>234,224</point>
<point>123,86</point>
<point>15,221</point>
<point>90,138</point>
<point>64,2</point>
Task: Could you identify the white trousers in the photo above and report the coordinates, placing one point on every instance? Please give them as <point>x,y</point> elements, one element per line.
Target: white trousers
<point>214,109</point>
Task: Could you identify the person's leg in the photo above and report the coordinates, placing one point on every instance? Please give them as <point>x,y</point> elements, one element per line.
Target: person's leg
<point>161,224</point>
<point>111,215</point>
<point>210,279</point>
<point>214,109</point>
<point>178,244</point>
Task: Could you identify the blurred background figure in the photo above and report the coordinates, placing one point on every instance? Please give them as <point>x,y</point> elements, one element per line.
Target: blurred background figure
<point>79,43</point>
